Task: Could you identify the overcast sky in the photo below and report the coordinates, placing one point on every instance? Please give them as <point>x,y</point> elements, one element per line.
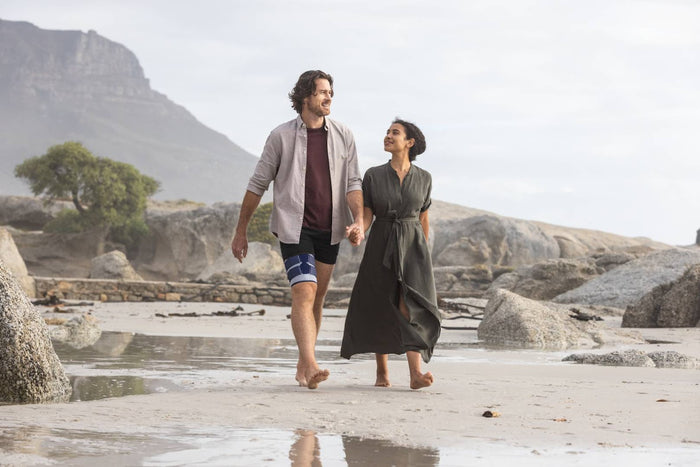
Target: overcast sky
<point>578,113</point>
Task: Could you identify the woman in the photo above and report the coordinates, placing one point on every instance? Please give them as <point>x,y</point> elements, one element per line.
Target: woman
<point>393,307</point>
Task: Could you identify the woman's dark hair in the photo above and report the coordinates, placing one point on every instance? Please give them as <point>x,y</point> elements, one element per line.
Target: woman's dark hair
<point>412,131</point>
<point>306,86</point>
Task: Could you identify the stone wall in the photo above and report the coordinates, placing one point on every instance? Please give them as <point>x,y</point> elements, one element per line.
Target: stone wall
<point>110,290</point>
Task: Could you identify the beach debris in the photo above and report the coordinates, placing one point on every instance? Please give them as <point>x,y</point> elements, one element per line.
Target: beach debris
<point>583,316</point>
<point>238,311</point>
<point>491,414</point>
<point>561,419</point>
<point>453,309</point>
<point>55,321</point>
<point>53,300</point>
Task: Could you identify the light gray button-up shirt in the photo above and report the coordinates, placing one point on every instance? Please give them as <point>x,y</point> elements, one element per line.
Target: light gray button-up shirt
<point>284,161</point>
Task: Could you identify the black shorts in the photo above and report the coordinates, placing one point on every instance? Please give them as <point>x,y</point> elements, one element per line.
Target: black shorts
<point>313,242</point>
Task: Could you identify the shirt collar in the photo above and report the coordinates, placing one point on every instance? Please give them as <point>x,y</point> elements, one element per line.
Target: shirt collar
<point>301,124</point>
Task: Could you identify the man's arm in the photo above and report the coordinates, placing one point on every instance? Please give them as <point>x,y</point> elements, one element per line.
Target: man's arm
<point>356,205</point>
<point>239,245</point>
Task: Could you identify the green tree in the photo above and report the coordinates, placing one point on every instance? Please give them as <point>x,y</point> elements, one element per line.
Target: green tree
<point>259,227</point>
<point>109,196</point>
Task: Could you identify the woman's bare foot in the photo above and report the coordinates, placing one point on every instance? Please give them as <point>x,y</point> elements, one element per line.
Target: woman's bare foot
<point>316,376</point>
<point>421,380</point>
<point>382,380</point>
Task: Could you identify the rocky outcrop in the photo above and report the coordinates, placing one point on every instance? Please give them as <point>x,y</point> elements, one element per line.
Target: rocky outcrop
<point>14,262</point>
<point>671,305</point>
<point>181,244</point>
<point>547,279</point>
<point>28,213</point>
<point>59,255</point>
<point>30,371</point>
<point>470,248</point>
<point>490,239</point>
<point>626,284</point>
<point>515,321</point>
<point>113,265</point>
<point>261,261</point>
<point>637,358</point>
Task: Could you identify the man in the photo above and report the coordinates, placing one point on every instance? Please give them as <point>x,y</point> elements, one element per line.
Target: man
<point>313,162</point>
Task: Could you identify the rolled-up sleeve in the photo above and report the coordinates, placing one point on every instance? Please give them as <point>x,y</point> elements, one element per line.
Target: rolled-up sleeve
<point>266,168</point>
<point>354,176</point>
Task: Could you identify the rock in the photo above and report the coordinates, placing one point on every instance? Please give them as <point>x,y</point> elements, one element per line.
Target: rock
<point>30,371</point>
<point>346,281</point>
<point>547,279</point>
<point>675,304</point>
<point>490,239</point>
<point>261,260</point>
<point>609,261</point>
<point>60,255</point>
<point>630,357</point>
<point>9,254</point>
<point>78,332</point>
<point>183,243</point>
<point>673,359</point>
<point>628,283</point>
<point>515,321</point>
<point>113,265</point>
<point>659,359</point>
<point>470,280</point>
<point>28,213</point>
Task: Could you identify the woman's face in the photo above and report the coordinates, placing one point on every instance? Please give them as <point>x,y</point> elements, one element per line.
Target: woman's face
<point>395,140</point>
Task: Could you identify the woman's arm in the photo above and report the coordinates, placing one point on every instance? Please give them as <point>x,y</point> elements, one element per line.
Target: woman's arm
<point>367,218</point>
<point>424,222</point>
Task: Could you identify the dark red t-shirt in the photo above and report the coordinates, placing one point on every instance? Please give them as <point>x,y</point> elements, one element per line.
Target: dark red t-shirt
<point>318,207</point>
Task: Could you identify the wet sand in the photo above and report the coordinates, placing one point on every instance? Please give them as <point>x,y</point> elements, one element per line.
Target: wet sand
<point>548,410</point>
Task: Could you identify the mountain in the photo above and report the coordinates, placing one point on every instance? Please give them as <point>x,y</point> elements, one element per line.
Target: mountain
<point>57,86</point>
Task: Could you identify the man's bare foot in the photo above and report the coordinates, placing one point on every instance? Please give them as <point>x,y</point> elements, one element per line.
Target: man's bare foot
<point>382,380</point>
<point>421,380</point>
<point>316,376</point>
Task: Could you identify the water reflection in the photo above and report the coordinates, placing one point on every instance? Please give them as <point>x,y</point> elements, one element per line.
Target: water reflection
<point>33,445</point>
<point>121,364</point>
<point>306,451</point>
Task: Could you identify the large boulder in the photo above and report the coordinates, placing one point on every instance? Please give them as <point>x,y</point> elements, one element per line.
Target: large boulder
<point>30,370</point>
<point>261,262</point>
<point>490,239</point>
<point>9,254</point>
<point>113,265</point>
<point>547,279</point>
<point>78,332</point>
<point>60,254</point>
<point>515,321</point>
<point>28,213</point>
<point>671,305</point>
<point>182,243</point>
<point>626,284</point>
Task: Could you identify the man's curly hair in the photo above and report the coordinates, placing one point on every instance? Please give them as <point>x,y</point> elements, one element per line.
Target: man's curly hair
<point>306,86</point>
<point>412,131</point>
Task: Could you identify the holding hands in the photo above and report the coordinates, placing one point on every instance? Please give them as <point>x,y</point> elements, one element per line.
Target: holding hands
<point>355,234</point>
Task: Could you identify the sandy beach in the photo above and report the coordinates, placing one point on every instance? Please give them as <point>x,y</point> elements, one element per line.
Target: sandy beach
<point>549,412</point>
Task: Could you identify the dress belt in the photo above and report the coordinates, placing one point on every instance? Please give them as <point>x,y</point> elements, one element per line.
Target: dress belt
<point>393,255</point>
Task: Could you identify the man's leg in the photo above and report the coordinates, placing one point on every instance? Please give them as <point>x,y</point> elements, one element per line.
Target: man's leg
<point>323,274</point>
<point>305,332</point>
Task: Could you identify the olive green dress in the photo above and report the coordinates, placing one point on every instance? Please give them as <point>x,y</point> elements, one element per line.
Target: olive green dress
<point>396,262</point>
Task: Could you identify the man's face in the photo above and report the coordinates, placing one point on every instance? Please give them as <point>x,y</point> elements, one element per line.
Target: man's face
<point>319,103</point>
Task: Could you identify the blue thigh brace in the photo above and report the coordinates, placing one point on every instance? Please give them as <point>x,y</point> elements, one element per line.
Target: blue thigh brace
<point>300,268</point>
